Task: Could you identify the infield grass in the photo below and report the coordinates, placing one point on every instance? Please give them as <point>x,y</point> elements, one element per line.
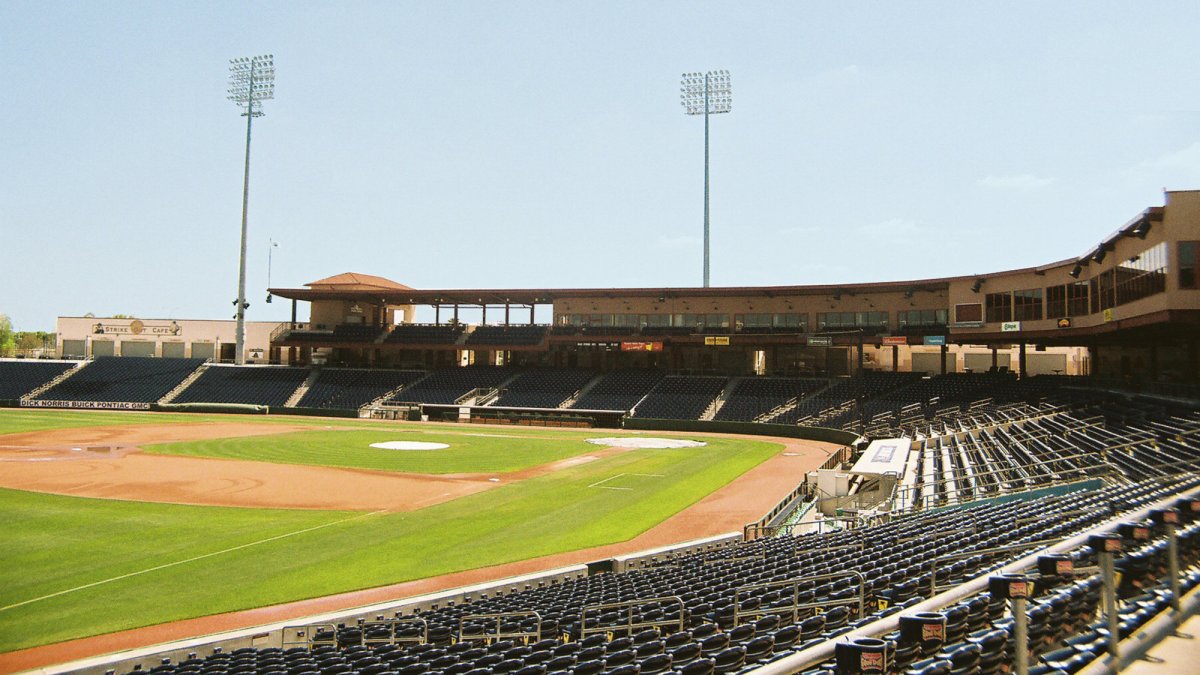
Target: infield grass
<point>469,451</point>
<point>72,567</point>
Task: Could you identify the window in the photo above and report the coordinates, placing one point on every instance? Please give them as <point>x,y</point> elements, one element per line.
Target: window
<point>1067,300</point>
<point>922,317</point>
<point>1027,305</point>
<point>835,320</point>
<point>1141,276</point>
<point>1187,264</point>
<point>797,322</point>
<point>999,307</point>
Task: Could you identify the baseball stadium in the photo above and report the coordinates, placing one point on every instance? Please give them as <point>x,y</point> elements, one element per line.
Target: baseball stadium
<point>984,474</point>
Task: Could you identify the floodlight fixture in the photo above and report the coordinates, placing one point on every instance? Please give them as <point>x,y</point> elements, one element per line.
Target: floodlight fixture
<point>251,81</point>
<point>709,93</point>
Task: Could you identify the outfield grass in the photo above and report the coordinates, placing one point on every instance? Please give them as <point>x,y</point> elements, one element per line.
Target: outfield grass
<point>72,567</point>
<point>469,451</point>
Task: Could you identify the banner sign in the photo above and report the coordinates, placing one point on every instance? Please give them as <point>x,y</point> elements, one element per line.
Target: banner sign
<point>136,327</point>
<point>820,341</point>
<point>935,340</point>
<point>641,346</point>
<point>88,405</point>
<point>717,341</point>
<point>1010,326</point>
<point>895,339</point>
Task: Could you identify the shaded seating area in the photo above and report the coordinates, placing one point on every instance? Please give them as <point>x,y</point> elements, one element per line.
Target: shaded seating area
<point>248,385</point>
<point>124,379</point>
<point>18,378</point>
<point>347,389</point>
<point>681,397</point>
<point>619,390</point>
<point>543,388</point>
<point>346,332</point>
<point>451,384</point>
<point>508,335</point>
<point>753,397</point>
<point>424,333</point>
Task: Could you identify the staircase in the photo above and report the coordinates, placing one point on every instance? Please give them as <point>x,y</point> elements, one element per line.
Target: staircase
<point>307,384</point>
<point>187,381</point>
<point>719,402</point>
<point>42,389</point>
<point>579,394</point>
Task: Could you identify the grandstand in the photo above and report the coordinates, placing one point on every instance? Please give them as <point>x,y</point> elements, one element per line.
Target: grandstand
<point>988,472</point>
<point>126,379</point>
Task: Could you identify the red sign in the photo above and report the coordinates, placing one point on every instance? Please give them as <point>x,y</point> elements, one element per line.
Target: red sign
<point>895,339</point>
<point>641,346</point>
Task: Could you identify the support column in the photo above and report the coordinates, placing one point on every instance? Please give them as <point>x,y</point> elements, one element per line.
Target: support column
<point>506,314</point>
<point>944,349</point>
<point>437,314</point>
<point>995,358</point>
<point>895,359</point>
<point>483,321</point>
<point>1021,362</point>
<point>1154,363</point>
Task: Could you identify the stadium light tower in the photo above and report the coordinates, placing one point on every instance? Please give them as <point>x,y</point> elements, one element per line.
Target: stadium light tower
<point>251,81</point>
<point>706,94</point>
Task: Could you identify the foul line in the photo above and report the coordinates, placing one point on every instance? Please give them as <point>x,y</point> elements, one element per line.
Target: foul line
<point>193,559</point>
<point>601,483</point>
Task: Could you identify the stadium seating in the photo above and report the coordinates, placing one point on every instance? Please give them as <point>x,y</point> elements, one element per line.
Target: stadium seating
<point>543,388</point>
<point>740,606</point>
<point>18,378</point>
<point>423,333</point>
<point>125,379</point>
<point>250,385</point>
<point>451,384</point>
<point>753,397</point>
<point>619,390</point>
<point>351,389</point>
<point>347,332</point>
<point>681,397</point>
<point>513,335</point>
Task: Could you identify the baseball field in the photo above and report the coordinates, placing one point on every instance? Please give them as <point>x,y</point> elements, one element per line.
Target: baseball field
<point>114,521</point>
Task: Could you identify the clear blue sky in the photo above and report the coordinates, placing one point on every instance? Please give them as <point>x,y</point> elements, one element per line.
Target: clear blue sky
<point>532,144</point>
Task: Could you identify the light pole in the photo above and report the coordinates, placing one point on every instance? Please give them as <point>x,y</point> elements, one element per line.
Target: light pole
<point>706,94</point>
<point>270,250</point>
<point>251,81</point>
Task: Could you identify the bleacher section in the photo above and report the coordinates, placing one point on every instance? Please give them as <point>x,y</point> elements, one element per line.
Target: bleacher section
<point>681,397</point>
<point>501,336</point>
<point>425,333</point>
<point>123,379</point>
<point>737,607</point>
<point>248,385</point>
<point>619,390</point>
<point>837,401</point>
<point>339,389</point>
<point>348,332</point>
<point>18,378</point>
<point>450,384</point>
<point>753,397</point>
<point>543,388</point>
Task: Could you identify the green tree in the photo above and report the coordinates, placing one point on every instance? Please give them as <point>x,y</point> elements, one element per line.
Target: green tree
<point>7,339</point>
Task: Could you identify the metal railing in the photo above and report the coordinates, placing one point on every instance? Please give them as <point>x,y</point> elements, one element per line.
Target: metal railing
<point>629,622</point>
<point>796,609</point>
<point>310,635</point>
<point>496,621</point>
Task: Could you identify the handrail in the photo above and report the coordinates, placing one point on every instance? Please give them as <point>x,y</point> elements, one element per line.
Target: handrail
<point>796,607</point>
<point>629,624</point>
<point>306,635</point>
<point>500,632</point>
<point>933,565</point>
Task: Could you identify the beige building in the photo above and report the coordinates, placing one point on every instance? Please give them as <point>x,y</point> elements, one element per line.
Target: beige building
<point>87,337</point>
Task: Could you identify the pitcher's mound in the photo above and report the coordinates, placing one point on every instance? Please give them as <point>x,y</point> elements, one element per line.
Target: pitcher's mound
<point>654,443</point>
<point>409,445</point>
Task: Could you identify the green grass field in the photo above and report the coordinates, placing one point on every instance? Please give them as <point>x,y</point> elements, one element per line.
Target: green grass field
<point>471,450</point>
<point>72,567</point>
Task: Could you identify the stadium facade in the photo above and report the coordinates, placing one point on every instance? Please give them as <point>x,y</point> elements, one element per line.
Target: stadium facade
<point>1132,301</point>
